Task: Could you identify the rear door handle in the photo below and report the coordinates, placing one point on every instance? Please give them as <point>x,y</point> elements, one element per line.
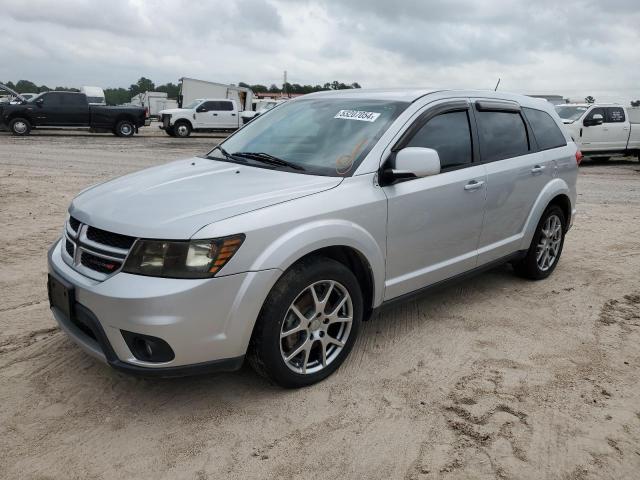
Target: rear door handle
<point>474,185</point>
<point>538,169</point>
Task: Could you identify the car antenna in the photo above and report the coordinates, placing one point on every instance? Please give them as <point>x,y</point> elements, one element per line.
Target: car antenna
<point>496,89</point>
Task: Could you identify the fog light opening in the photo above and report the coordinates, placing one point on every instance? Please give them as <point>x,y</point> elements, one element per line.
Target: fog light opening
<point>147,348</point>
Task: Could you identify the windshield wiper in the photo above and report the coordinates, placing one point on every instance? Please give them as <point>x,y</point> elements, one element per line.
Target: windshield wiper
<point>267,158</point>
<point>229,157</point>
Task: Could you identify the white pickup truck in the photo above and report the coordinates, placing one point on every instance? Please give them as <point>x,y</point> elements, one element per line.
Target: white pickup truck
<point>602,129</point>
<point>201,115</point>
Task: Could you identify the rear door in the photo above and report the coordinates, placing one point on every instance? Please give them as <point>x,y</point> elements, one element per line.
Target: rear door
<point>434,223</point>
<point>616,126</point>
<point>74,109</point>
<point>516,174</point>
<point>228,114</point>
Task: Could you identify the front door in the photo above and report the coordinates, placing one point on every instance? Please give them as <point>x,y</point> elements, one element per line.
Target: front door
<point>208,115</point>
<point>434,223</point>
<point>594,137</point>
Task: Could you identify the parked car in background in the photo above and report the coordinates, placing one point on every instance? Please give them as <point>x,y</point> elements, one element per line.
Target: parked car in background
<point>279,242</point>
<point>25,96</point>
<point>201,115</point>
<point>260,107</point>
<point>69,110</point>
<point>95,95</point>
<point>602,129</point>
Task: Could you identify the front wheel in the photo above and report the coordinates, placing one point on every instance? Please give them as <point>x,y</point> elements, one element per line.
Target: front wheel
<point>125,128</point>
<point>544,253</point>
<point>182,129</point>
<point>308,323</point>
<point>20,126</point>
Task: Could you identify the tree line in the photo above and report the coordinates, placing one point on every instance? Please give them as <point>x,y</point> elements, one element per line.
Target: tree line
<point>120,95</point>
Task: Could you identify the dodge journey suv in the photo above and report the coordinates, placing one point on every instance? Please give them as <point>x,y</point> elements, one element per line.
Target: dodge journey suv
<point>280,241</point>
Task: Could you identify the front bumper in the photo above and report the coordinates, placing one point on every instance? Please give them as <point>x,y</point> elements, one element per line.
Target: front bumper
<point>208,323</point>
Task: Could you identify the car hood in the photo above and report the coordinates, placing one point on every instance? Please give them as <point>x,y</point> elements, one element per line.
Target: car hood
<point>175,200</point>
<point>174,111</point>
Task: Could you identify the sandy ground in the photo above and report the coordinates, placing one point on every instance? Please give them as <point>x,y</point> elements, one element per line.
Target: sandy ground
<point>493,378</point>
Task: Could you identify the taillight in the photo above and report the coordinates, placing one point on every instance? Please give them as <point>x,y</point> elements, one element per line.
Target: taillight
<point>578,157</point>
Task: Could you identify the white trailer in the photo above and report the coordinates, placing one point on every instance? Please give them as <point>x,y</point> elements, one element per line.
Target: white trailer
<point>192,89</point>
<point>154,102</point>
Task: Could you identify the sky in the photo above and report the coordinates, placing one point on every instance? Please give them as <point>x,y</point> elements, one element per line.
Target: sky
<point>572,48</point>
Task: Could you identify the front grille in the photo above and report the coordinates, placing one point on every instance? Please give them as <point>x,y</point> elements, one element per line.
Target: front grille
<point>99,264</point>
<point>74,223</point>
<point>68,245</point>
<point>111,239</point>
<point>94,252</point>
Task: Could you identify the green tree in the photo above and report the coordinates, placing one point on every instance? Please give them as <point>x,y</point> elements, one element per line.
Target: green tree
<point>170,89</point>
<point>635,103</point>
<point>25,86</point>
<point>142,85</point>
<point>590,99</point>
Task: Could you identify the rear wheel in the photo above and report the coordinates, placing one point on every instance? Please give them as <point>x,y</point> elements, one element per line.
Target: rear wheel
<point>125,128</point>
<point>546,247</point>
<point>182,129</point>
<point>20,126</point>
<point>308,324</point>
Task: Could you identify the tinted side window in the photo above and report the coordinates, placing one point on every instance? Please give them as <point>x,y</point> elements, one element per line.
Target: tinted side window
<point>449,134</point>
<point>226,106</point>
<point>502,135</point>
<point>545,129</point>
<point>208,106</point>
<point>596,111</point>
<point>73,99</point>
<point>52,99</point>
<point>615,115</point>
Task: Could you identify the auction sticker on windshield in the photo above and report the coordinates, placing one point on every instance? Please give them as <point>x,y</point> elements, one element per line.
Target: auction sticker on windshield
<point>357,115</point>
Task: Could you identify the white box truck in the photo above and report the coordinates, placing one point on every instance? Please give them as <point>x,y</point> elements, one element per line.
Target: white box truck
<point>154,102</point>
<point>192,89</point>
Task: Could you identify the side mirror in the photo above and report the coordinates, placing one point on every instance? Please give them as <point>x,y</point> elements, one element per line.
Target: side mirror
<point>40,102</point>
<point>597,119</point>
<point>412,162</point>
<point>201,109</point>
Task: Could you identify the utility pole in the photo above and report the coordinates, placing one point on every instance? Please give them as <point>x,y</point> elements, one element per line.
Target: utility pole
<point>284,85</point>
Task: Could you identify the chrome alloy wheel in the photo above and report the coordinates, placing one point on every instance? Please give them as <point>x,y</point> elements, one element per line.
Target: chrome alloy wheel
<point>20,127</point>
<point>549,245</point>
<point>316,327</point>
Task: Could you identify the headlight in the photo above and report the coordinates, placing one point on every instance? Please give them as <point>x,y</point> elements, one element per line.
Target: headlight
<point>181,259</point>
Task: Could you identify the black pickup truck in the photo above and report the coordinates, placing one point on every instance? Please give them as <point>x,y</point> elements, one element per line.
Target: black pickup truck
<point>69,109</point>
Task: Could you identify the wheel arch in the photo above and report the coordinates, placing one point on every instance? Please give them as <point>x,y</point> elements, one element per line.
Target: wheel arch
<point>556,192</point>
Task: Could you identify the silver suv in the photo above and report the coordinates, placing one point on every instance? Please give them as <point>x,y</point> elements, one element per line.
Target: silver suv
<point>279,242</point>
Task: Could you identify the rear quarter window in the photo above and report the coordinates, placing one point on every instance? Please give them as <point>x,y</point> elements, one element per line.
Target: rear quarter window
<point>545,129</point>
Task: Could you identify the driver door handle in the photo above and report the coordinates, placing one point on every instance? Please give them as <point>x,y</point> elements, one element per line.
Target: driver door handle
<point>538,169</point>
<point>474,185</point>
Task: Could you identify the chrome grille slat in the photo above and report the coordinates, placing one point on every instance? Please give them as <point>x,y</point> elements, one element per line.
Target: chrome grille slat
<point>90,257</point>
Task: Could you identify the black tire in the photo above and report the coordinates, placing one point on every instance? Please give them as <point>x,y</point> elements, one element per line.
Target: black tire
<point>265,354</point>
<point>528,267</point>
<point>125,128</point>
<point>20,127</point>
<point>169,131</point>
<point>181,129</point>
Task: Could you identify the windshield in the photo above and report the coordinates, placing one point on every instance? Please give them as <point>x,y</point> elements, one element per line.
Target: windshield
<point>571,113</point>
<point>323,136</point>
<point>193,104</point>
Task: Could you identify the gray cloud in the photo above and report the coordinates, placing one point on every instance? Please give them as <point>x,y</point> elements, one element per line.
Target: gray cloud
<point>575,47</point>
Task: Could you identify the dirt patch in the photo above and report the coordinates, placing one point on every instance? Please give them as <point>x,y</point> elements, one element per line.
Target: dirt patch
<point>495,377</point>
